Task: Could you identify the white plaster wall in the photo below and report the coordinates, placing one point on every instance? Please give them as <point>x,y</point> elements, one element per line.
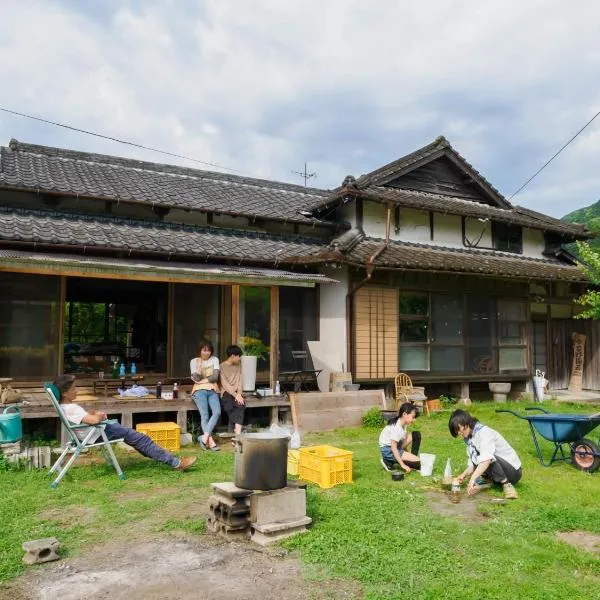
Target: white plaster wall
<point>533,243</point>
<point>349,213</point>
<point>332,319</point>
<point>475,228</point>
<point>447,230</point>
<point>374,219</point>
<point>414,226</point>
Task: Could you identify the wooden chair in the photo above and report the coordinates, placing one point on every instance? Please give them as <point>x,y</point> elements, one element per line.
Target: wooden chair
<point>406,392</point>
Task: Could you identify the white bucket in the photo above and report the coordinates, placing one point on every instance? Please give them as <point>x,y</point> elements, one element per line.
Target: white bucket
<point>427,461</point>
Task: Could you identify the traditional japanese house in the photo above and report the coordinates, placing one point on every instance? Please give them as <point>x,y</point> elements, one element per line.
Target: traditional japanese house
<point>420,266</point>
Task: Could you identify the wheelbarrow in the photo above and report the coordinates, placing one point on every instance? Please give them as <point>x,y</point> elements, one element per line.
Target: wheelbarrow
<point>561,429</point>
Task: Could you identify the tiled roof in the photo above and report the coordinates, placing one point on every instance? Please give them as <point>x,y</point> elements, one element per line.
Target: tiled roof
<point>67,172</point>
<point>439,147</point>
<point>422,257</point>
<point>61,263</point>
<point>467,208</point>
<point>118,234</point>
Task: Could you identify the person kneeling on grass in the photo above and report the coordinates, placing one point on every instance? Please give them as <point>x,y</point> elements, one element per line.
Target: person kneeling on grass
<point>491,458</point>
<point>141,442</point>
<point>394,440</point>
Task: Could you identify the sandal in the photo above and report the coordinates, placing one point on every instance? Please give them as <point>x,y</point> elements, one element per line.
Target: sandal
<point>202,444</point>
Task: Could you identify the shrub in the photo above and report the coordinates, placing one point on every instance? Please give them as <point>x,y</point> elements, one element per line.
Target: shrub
<point>373,418</point>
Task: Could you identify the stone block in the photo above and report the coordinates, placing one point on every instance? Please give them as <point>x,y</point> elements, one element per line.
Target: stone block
<point>10,449</point>
<point>264,539</point>
<point>277,505</point>
<point>41,551</point>
<point>186,439</point>
<point>279,526</point>
<point>227,488</point>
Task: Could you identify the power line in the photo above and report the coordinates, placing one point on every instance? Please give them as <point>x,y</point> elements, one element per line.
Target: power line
<point>553,157</point>
<point>113,139</point>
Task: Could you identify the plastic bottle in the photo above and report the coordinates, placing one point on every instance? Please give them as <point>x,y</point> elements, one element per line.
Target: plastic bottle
<point>277,388</point>
<point>447,477</point>
<point>455,493</point>
<point>122,370</point>
<point>159,390</point>
<point>115,370</point>
<point>133,369</point>
<point>175,391</point>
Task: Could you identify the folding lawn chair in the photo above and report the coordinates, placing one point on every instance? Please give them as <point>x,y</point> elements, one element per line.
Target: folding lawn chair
<point>75,445</point>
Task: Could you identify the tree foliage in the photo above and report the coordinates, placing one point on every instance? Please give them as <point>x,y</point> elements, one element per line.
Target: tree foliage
<point>590,265</point>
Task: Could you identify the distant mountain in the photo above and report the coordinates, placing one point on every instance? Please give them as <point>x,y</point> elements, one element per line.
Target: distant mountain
<point>588,216</point>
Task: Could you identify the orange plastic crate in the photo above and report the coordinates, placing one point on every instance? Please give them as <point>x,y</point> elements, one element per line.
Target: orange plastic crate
<point>165,435</point>
<point>326,466</point>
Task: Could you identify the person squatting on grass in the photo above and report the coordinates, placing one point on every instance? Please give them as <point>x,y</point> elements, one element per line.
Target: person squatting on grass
<point>205,374</point>
<point>491,458</point>
<point>394,440</point>
<point>231,387</point>
<point>142,443</point>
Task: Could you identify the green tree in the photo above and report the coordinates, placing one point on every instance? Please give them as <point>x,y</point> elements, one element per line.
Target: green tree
<point>590,266</point>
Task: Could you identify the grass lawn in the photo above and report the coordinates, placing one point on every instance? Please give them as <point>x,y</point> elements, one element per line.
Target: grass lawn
<point>381,533</point>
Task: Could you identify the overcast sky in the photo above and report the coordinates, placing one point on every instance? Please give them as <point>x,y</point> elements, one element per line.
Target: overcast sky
<point>263,85</point>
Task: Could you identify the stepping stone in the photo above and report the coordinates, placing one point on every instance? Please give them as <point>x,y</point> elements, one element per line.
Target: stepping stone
<point>41,551</point>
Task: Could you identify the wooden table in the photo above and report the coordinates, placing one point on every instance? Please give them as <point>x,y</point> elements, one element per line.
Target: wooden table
<point>106,383</point>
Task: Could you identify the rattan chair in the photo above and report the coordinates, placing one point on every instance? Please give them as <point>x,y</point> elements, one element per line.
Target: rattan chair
<point>406,392</point>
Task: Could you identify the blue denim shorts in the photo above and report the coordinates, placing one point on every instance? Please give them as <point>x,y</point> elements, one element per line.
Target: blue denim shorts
<point>388,455</point>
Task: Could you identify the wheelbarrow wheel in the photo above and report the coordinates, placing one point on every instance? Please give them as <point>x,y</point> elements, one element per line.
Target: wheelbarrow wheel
<point>585,455</point>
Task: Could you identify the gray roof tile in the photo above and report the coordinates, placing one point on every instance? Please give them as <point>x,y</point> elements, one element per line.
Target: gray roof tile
<point>118,234</point>
<point>58,171</point>
<point>423,257</point>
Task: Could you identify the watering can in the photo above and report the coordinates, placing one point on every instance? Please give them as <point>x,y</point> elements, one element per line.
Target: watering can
<point>11,429</point>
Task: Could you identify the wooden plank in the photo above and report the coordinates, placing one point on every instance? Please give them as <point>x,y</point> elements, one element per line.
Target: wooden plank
<point>61,324</point>
<point>235,313</point>
<point>170,327</point>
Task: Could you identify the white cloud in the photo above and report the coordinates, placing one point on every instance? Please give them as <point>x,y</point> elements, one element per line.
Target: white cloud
<point>261,86</point>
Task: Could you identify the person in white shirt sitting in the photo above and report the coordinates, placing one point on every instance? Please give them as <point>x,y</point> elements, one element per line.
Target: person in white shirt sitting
<point>394,441</point>
<point>492,460</point>
<point>67,388</point>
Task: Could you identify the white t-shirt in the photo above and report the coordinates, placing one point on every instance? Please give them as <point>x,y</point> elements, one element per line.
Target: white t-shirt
<point>75,414</point>
<point>487,444</point>
<point>395,432</point>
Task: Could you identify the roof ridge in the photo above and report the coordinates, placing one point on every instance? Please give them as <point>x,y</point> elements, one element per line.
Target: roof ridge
<point>161,168</point>
<point>161,225</point>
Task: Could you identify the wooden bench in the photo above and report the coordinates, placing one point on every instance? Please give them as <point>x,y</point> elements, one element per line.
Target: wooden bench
<point>39,407</point>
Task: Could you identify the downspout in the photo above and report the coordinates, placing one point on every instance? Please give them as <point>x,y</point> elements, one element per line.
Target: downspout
<point>370,268</point>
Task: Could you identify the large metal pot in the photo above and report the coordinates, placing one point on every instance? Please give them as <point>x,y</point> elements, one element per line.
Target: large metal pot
<point>261,461</point>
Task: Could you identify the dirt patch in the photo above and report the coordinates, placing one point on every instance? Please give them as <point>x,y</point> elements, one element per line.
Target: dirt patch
<point>466,509</point>
<point>79,515</point>
<point>581,539</point>
<point>169,568</point>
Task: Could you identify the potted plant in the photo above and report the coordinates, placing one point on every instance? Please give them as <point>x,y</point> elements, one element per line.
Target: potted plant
<point>254,349</point>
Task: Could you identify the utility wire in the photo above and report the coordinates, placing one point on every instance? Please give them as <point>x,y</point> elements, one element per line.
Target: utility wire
<point>553,157</point>
<point>113,139</point>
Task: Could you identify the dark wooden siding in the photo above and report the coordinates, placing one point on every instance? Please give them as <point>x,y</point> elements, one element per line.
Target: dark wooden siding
<point>440,177</point>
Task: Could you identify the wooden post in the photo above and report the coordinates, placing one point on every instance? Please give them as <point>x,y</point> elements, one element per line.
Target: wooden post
<point>170,328</point>
<point>61,324</point>
<point>235,313</point>
<point>576,383</point>
<point>274,342</point>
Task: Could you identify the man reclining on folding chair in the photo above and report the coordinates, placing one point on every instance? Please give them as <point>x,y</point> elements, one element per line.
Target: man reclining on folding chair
<point>141,442</point>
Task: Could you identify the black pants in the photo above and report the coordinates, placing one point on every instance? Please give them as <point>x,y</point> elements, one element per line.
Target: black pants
<point>414,449</point>
<point>501,470</point>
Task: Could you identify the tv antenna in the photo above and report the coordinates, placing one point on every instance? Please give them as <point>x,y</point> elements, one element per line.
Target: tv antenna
<point>305,174</point>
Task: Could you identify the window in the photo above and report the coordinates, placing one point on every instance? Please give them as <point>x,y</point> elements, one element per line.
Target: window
<point>508,238</point>
<point>447,352</point>
<point>512,335</point>
<point>29,325</point>
<point>255,323</point>
<point>414,332</point>
<point>298,324</point>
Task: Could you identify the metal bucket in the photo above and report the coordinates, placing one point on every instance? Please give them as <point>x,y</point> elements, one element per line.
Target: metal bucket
<point>11,428</point>
<point>261,461</point>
